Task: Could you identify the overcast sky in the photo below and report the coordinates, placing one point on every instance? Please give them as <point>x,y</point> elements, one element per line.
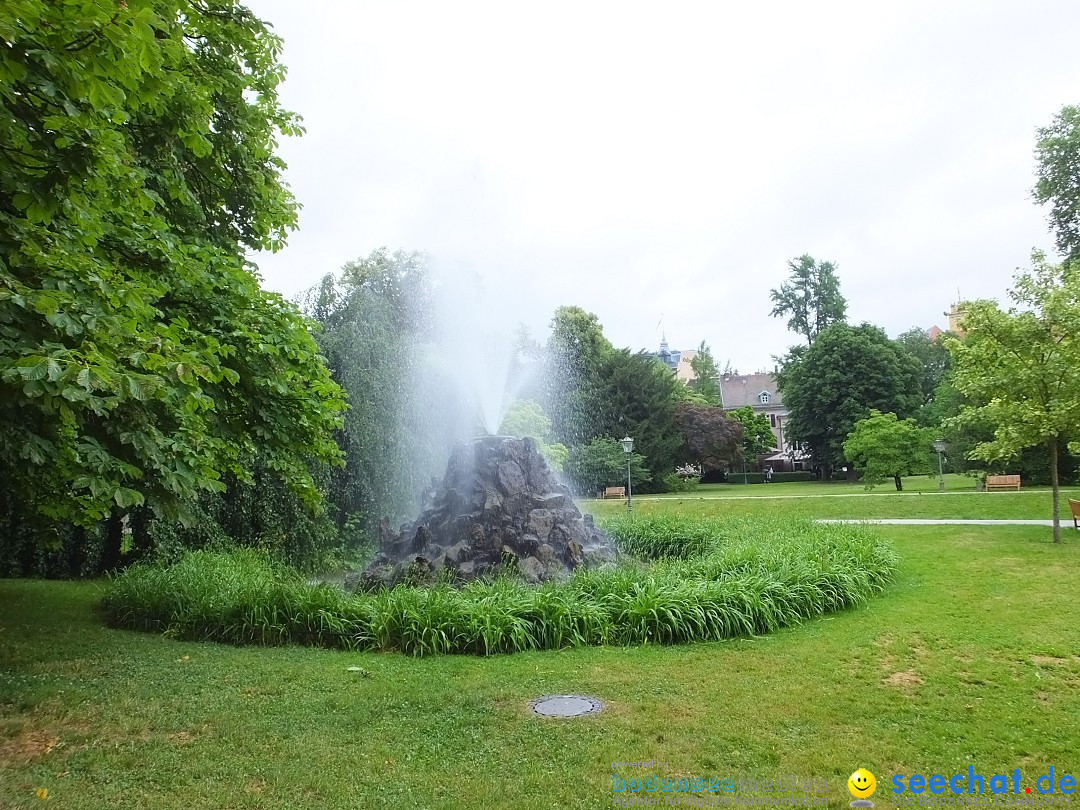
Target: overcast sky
<point>659,163</point>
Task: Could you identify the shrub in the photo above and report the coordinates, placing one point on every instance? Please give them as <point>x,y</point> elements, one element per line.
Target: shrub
<point>802,475</point>
<point>746,478</point>
<point>673,482</point>
<point>711,579</point>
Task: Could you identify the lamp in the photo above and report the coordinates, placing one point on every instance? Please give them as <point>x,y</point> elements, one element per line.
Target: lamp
<point>628,448</point>
<point>940,445</point>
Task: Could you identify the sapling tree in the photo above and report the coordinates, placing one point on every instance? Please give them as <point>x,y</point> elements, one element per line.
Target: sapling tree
<point>1023,366</point>
<point>884,447</point>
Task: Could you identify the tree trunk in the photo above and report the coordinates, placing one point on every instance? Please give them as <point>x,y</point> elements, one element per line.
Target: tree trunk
<point>1054,487</point>
<point>899,483</point>
<point>114,536</point>
<point>76,552</point>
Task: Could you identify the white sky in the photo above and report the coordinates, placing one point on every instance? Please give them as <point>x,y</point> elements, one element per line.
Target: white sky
<point>666,160</point>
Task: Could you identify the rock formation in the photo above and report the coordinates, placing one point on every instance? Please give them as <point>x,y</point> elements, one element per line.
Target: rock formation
<point>499,504</point>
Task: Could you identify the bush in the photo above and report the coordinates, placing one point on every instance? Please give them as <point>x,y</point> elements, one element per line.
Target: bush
<point>804,475</point>
<point>673,482</point>
<point>712,579</point>
<point>746,478</point>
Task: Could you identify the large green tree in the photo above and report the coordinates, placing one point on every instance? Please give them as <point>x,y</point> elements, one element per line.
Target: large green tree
<point>810,298</point>
<point>571,373</point>
<point>376,318</point>
<point>706,374</point>
<point>1057,154</point>
<point>757,435</point>
<point>1021,367</point>
<point>884,447</point>
<point>603,463</point>
<point>834,383</point>
<point>637,397</point>
<point>140,361</point>
<point>932,356</point>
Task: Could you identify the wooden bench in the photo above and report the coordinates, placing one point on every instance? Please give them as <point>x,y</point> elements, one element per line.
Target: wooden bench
<point>1002,482</point>
<point>1075,507</point>
<point>615,492</point>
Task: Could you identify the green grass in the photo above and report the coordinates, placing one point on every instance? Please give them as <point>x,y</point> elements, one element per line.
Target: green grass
<point>972,658</point>
<point>1024,505</point>
<point>954,483</point>
<point>734,578</point>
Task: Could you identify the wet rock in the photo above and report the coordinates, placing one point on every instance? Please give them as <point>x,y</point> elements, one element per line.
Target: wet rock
<point>498,503</point>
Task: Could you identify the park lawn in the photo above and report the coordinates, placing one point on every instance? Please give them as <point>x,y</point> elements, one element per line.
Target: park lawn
<point>912,483</point>
<point>1033,504</point>
<point>971,658</point>
<point>954,482</point>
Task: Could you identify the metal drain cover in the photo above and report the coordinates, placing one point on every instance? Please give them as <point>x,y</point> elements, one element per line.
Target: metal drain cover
<point>565,705</point>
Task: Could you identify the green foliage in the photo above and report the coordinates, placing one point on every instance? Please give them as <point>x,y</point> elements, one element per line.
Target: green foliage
<point>795,475</point>
<point>884,447</point>
<point>1021,367</point>
<point>593,390</point>
<point>685,393</point>
<point>810,297</point>
<point>834,383</point>
<point>736,477</point>
<point>637,396</point>
<point>706,375</point>
<point>1057,154</point>
<point>572,375</point>
<point>676,482</point>
<point>931,354</point>
<point>374,317</point>
<point>739,477</point>
<point>526,417</point>
<point>556,455</point>
<point>602,463</point>
<point>757,435</point>
<point>750,578</point>
<point>140,362</point>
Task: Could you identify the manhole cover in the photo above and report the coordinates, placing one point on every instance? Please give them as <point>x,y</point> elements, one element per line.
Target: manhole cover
<point>565,705</point>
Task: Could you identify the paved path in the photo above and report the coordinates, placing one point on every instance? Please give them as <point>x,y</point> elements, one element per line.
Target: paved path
<point>929,522</point>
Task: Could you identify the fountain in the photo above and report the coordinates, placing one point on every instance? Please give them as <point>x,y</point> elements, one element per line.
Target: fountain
<point>498,506</point>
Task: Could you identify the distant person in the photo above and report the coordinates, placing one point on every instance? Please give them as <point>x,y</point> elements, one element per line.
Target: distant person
<point>768,475</point>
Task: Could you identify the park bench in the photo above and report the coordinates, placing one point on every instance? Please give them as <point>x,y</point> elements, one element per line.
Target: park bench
<point>615,492</point>
<point>1075,507</point>
<point>1002,482</point>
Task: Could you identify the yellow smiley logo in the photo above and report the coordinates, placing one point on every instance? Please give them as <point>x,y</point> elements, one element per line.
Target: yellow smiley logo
<point>862,784</point>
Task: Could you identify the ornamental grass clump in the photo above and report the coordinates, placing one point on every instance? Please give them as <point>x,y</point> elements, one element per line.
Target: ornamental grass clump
<point>696,580</point>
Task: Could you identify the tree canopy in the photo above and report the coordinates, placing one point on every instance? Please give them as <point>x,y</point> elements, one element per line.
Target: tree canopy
<point>1057,154</point>
<point>140,361</point>
<point>603,463</point>
<point>834,383</point>
<point>711,439</point>
<point>574,353</point>
<point>810,297</point>
<point>706,374</point>
<point>884,447</point>
<point>757,435</point>
<point>932,356</point>
<point>1021,367</point>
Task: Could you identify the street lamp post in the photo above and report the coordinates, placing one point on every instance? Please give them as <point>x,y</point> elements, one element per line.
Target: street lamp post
<point>941,446</point>
<point>628,448</point>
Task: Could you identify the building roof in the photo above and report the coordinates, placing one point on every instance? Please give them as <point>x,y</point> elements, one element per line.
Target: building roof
<point>739,390</point>
<point>934,332</point>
